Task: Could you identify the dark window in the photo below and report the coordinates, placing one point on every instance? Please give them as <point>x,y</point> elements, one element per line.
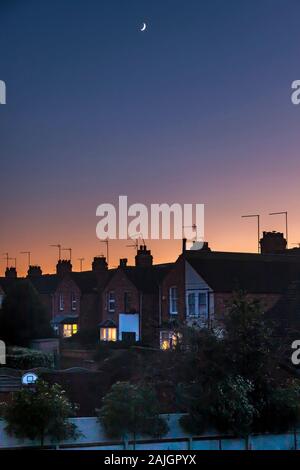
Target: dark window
<point>111,301</point>
<point>127,302</point>
<point>128,337</point>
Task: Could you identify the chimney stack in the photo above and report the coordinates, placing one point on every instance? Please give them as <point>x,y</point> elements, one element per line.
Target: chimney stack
<point>34,271</point>
<point>99,265</point>
<point>11,273</point>
<point>183,245</point>
<point>143,257</point>
<point>123,262</point>
<point>272,242</point>
<point>63,267</point>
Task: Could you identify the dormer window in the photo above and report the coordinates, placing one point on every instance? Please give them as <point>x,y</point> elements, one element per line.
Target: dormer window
<point>108,334</point>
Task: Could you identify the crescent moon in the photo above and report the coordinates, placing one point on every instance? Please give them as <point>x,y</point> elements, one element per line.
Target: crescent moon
<point>143,28</point>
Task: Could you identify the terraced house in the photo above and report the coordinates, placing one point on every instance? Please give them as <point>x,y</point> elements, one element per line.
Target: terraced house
<point>131,301</point>
<point>198,289</point>
<point>149,302</point>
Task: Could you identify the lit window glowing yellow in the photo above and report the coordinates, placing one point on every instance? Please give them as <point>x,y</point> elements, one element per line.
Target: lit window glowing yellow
<point>108,334</point>
<point>165,345</point>
<point>70,330</point>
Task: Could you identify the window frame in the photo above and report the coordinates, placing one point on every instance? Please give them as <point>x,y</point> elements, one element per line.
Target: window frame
<point>173,299</point>
<point>110,301</point>
<point>73,301</point>
<point>127,298</point>
<point>72,328</point>
<point>198,311</point>
<point>61,302</point>
<point>106,334</point>
<point>168,337</point>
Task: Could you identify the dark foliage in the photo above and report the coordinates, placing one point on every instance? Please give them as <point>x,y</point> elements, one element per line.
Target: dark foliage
<point>40,412</point>
<point>131,409</point>
<point>23,317</point>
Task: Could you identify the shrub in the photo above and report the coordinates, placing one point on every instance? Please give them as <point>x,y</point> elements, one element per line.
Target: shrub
<point>23,358</point>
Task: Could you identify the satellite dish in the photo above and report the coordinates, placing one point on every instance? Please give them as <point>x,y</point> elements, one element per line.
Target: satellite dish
<point>29,378</point>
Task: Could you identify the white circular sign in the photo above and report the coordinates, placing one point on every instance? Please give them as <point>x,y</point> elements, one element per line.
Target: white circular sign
<point>29,378</point>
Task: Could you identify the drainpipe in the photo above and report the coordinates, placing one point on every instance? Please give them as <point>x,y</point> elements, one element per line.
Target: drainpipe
<point>159,306</point>
<point>208,310</point>
<point>141,315</point>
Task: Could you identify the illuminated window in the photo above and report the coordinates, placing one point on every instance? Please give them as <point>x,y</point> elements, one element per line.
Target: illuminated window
<point>108,334</point>
<point>173,297</point>
<point>70,330</point>
<point>168,340</point>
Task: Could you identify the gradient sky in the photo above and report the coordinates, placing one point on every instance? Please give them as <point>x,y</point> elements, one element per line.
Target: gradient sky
<point>195,109</point>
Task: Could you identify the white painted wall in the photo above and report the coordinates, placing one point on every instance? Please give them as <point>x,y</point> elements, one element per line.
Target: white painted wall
<point>193,282</point>
<point>93,438</point>
<point>129,323</point>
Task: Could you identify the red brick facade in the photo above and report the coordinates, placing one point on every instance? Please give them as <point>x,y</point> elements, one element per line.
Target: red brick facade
<point>143,303</point>
<point>66,298</point>
<point>119,284</point>
<point>175,278</point>
<point>222,303</point>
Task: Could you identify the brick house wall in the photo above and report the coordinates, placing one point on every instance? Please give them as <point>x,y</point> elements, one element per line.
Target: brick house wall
<point>66,288</point>
<point>146,304</point>
<point>150,319</point>
<point>223,300</point>
<point>47,301</point>
<point>119,284</point>
<point>176,277</point>
<point>90,311</point>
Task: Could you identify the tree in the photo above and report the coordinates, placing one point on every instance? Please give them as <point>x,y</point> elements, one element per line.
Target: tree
<point>232,408</point>
<point>40,411</point>
<point>23,317</point>
<point>238,385</point>
<point>281,409</point>
<point>132,409</point>
<point>249,340</point>
<point>227,406</point>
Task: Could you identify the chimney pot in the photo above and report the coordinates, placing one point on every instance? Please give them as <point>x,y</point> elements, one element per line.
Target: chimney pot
<point>99,264</point>
<point>11,273</point>
<point>34,271</point>
<point>272,242</point>
<point>63,267</point>
<point>143,257</point>
<point>123,262</point>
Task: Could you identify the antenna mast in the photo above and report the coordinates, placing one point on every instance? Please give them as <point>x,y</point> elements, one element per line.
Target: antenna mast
<point>258,227</point>
<point>59,250</point>
<point>81,261</point>
<point>107,248</point>
<point>70,252</point>
<point>28,253</point>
